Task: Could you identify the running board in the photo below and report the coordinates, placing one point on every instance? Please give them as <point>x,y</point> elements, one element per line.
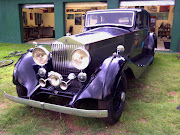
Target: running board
<point>144,60</point>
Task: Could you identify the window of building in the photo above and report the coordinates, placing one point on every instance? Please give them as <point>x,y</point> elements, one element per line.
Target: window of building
<point>38,19</point>
<point>24,16</point>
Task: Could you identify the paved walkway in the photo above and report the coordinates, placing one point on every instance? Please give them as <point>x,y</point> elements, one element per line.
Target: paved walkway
<point>42,41</point>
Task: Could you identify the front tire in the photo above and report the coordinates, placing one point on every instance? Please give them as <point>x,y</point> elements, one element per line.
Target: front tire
<point>152,52</point>
<point>115,102</point>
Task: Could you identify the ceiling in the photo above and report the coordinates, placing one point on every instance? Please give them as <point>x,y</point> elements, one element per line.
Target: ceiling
<point>104,4</point>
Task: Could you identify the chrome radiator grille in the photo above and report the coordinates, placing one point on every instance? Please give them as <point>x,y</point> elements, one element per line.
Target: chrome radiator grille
<point>61,58</point>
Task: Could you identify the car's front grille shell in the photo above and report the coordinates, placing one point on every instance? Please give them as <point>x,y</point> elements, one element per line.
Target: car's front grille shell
<point>61,58</point>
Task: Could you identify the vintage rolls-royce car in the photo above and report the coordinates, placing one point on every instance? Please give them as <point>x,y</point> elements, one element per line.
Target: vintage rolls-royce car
<point>89,69</point>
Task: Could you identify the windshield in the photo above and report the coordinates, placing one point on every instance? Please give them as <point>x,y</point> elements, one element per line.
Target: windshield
<point>117,18</point>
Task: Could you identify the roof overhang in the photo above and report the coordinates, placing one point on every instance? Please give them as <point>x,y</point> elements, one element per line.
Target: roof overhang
<point>102,4</point>
<point>37,5</point>
<point>147,3</point>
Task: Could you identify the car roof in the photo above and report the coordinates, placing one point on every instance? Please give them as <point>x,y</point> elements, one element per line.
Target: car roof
<point>122,9</point>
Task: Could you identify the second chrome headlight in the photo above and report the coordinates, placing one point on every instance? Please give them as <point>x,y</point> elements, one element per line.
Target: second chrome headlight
<point>80,58</point>
<point>40,55</point>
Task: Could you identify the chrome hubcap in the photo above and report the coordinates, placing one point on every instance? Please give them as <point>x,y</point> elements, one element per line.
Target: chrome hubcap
<point>123,96</point>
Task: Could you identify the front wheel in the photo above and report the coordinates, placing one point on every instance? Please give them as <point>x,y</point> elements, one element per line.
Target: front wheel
<point>116,101</point>
<point>152,52</point>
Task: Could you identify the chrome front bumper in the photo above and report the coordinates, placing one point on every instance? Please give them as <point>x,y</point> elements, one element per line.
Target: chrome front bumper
<point>58,108</point>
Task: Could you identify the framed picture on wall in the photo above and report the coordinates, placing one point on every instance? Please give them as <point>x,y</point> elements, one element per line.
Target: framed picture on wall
<point>70,16</point>
<point>78,19</point>
<point>152,9</point>
<point>164,8</point>
<point>162,16</point>
<point>153,20</point>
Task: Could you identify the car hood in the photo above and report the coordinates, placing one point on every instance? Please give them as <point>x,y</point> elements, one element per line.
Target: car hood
<point>94,35</point>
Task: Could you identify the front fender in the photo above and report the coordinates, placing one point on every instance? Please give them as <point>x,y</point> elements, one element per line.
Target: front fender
<point>103,83</point>
<point>151,42</point>
<point>24,72</point>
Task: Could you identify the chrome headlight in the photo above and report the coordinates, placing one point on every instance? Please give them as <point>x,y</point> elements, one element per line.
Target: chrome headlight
<point>40,55</point>
<point>80,58</point>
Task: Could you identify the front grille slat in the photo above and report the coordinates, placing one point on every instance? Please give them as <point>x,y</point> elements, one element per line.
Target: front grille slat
<point>57,58</point>
<point>61,58</point>
<point>64,53</point>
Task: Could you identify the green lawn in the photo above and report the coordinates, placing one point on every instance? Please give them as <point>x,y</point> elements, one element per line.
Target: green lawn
<point>150,106</point>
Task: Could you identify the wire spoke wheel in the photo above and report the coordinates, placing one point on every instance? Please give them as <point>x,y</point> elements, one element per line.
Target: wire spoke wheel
<point>6,63</point>
<point>117,101</point>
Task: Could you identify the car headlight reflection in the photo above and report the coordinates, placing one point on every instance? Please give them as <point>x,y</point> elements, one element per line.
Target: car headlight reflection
<point>80,58</point>
<point>40,55</point>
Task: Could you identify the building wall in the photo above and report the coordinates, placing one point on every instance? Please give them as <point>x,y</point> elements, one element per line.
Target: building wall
<point>175,41</point>
<point>11,18</point>
<point>33,11</point>
<point>159,22</point>
<point>48,20</point>
<point>11,15</point>
<point>71,22</point>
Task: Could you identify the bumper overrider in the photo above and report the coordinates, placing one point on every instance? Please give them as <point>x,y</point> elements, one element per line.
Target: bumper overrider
<point>59,108</point>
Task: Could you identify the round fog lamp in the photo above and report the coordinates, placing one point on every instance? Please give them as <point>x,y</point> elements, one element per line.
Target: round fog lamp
<point>82,77</point>
<point>71,76</point>
<point>42,72</point>
<point>54,78</point>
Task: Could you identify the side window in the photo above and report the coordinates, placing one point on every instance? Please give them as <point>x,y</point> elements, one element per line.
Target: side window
<point>24,15</point>
<point>146,20</point>
<point>38,19</point>
<point>140,23</point>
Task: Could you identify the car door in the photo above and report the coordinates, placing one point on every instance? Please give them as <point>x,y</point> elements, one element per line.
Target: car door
<point>140,34</point>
